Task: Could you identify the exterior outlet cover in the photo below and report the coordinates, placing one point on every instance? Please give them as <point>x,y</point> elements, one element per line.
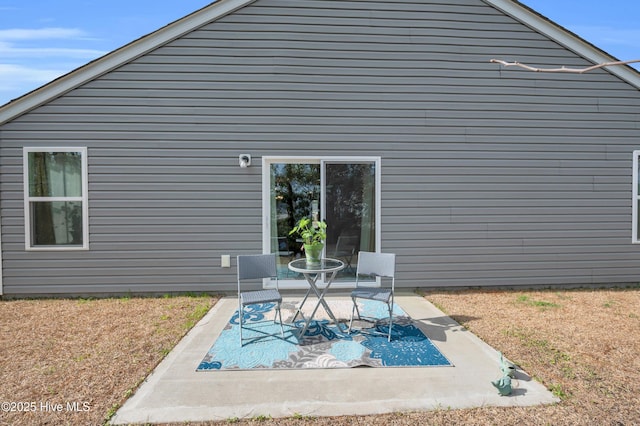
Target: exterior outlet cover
<point>225,261</point>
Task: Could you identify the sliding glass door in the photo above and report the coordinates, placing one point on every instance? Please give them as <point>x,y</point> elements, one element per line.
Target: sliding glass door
<point>342,191</point>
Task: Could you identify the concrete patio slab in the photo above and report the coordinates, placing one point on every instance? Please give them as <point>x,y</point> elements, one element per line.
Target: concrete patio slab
<point>175,392</point>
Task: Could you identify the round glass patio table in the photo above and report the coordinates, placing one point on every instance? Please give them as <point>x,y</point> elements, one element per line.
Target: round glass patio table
<point>325,266</point>
<point>312,271</point>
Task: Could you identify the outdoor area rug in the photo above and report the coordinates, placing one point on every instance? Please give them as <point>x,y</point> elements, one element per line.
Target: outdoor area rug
<point>324,345</point>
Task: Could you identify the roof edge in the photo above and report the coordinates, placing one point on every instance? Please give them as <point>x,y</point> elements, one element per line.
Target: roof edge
<point>565,37</point>
<point>220,8</point>
<point>118,57</point>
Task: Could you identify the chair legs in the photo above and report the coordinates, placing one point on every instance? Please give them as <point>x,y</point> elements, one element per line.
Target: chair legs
<point>355,309</point>
<point>278,317</point>
<point>240,318</point>
<point>390,320</point>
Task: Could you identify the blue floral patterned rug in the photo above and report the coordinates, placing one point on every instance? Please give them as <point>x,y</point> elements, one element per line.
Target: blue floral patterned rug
<point>323,345</point>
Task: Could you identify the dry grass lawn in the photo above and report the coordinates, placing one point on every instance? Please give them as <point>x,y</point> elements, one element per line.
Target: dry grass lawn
<point>93,353</point>
<point>584,345</point>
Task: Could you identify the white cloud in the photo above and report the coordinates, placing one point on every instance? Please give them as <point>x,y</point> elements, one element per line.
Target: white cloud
<point>15,77</point>
<point>17,72</point>
<point>610,37</point>
<point>34,57</point>
<point>41,33</point>
<point>8,50</point>
<point>11,43</point>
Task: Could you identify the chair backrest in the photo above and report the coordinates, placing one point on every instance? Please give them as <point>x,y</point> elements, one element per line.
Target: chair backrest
<point>253,266</point>
<point>378,264</point>
<point>346,244</point>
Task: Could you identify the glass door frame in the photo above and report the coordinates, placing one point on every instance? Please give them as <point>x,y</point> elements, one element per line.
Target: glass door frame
<point>321,160</point>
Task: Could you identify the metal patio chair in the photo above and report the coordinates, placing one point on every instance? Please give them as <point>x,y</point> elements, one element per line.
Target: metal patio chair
<point>252,267</point>
<point>346,248</point>
<point>374,265</point>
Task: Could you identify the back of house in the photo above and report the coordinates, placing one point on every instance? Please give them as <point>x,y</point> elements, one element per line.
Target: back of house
<point>143,170</point>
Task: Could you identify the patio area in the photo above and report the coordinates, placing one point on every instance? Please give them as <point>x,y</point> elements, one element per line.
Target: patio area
<point>175,392</point>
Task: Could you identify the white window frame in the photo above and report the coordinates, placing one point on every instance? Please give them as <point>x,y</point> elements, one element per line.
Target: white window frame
<point>314,159</point>
<point>84,198</point>
<point>636,198</point>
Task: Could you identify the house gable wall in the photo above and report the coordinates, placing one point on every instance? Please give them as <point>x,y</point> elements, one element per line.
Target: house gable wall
<point>489,176</point>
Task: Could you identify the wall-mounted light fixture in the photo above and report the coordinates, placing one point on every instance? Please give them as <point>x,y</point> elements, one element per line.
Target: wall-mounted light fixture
<point>244,160</point>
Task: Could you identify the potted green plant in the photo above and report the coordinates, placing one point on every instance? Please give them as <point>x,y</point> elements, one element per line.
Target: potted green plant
<point>313,234</point>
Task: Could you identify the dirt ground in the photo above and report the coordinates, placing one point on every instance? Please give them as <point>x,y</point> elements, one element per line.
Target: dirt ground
<point>76,361</point>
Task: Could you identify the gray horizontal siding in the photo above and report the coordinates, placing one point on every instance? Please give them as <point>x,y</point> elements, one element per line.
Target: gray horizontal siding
<point>489,176</point>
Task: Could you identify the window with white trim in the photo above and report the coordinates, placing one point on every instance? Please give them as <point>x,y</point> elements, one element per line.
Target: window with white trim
<point>635,203</point>
<point>55,199</point>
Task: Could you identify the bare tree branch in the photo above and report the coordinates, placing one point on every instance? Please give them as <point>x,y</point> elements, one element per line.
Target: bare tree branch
<point>562,69</point>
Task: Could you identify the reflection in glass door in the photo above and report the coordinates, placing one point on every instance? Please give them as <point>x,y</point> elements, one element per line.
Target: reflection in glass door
<point>349,212</point>
<point>343,193</point>
<point>295,193</point>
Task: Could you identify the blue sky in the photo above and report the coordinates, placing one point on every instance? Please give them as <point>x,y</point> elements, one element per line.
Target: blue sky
<point>43,39</point>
